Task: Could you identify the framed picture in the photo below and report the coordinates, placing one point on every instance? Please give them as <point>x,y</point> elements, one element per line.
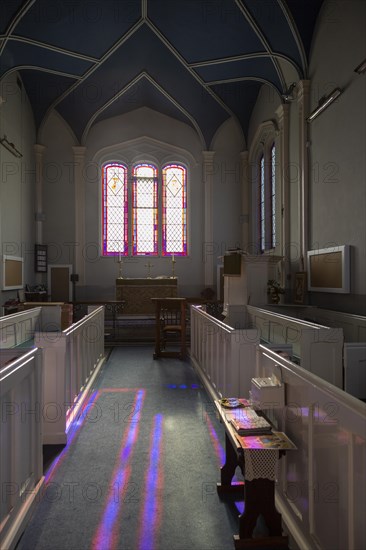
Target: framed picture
<point>329,269</point>
<point>300,287</point>
<point>13,272</point>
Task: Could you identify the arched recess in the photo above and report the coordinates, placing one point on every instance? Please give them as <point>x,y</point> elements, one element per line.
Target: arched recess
<point>261,171</point>
<point>148,150</point>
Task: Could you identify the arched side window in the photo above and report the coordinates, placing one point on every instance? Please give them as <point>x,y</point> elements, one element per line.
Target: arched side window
<point>174,226</point>
<point>145,210</point>
<point>273,195</point>
<point>261,206</point>
<point>267,199</point>
<point>114,209</point>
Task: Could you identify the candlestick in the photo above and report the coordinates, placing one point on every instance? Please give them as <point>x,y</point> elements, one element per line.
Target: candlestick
<point>149,266</point>
<point>120,267</point>
<point>173,265</point>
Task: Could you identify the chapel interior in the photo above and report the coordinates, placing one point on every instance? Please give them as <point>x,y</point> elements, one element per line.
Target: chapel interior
<point>182,219</point>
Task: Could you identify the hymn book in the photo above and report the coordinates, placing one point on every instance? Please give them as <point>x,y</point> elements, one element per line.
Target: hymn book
<point>247,422</point>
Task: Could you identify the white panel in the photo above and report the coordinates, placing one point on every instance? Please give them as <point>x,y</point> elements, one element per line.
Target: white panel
<point>355,369</point>
<point>322,487</point>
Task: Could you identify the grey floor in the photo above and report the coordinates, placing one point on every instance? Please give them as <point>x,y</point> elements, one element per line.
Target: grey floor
<point>141,465</point>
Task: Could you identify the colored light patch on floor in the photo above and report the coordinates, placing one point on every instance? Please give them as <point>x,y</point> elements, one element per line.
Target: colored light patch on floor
<point>74,430</point>
<point>107,533</point>
<point>219,450</point>
<point>151,511</point>
<point>86,413</point>
<point>183,386</point>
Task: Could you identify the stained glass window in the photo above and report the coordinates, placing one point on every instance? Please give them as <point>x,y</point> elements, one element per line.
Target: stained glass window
<point>145,214</point>
<point>145,210</point>
<point>174,227</point>
<point>267,199</point>
<point>115,209</point>
<point>273,195</point>
<point>262,227</point>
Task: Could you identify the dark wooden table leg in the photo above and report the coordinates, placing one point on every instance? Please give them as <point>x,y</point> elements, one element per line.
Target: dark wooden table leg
<point>228,469</point>
<point>259,497</point>
<point>157,352</point>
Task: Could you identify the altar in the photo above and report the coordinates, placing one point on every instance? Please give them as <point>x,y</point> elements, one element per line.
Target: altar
<point>136,293</point>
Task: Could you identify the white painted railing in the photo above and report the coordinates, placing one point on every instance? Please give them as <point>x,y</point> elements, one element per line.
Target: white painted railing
<point>354,326</point>
<point>72,358</point>
<point>21,461</point>
<point>321,490</point>
<point>18,328</point>
<point>318,348</point>
<point>223,355</point>
<point>354,359</point>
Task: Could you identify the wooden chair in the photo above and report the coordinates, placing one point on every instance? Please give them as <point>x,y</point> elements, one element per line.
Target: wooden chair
<point>170,317</point>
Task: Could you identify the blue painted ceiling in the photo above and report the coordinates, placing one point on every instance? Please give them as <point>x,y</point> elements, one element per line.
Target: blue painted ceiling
<point>199,61</point>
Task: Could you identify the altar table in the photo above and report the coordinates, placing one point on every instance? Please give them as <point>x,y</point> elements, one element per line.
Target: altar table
<point>136,293</point>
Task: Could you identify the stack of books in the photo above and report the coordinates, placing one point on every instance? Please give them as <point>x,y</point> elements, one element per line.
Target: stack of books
<point>247,422</point>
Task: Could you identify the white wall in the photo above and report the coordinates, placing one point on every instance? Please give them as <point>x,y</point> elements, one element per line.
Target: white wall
<point>142,134</point>
<point>337,148</point>
<point>264,109</point>
<point>58,190</point>
<point>338,144</point>
<point>17,183</point>
<point>228,143</point>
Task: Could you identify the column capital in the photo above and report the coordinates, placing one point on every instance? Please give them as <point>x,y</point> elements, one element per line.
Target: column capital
<point>38,148</point>
<point>244,156</point>
<point>208,156</point>
<point>79,151</point>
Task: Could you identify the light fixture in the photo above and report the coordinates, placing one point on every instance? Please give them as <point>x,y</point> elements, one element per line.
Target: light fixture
<point>289,94</point>
<point>324,102</point>
<point>361,68</point>
<point>10,147</point>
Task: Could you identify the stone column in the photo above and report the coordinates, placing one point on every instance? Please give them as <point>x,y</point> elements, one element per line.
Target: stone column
<point>245,181</point>
<point>79,183</point>
<point>282,114</point>
<point>39,214</point>
<point>303,110</point>
<point>208,244</point>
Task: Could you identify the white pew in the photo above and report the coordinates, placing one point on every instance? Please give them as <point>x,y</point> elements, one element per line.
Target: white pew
<point>72,359</point>
<point>354,357</point>
<point>18,328</point>
<point>317,348</point>
<point>21,462</point>
<point>224,356</point>
<point>321,492</point>
<point>321,489</point>
<point>354,326</point>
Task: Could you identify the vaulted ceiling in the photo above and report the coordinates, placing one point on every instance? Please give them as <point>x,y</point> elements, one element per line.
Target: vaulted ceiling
<point>199,61</point>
